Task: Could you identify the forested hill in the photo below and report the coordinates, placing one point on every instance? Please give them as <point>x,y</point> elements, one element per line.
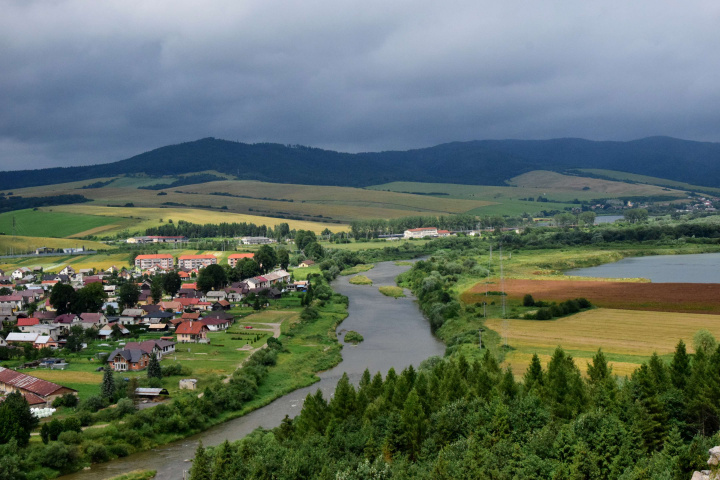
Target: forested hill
<point>486,162</point>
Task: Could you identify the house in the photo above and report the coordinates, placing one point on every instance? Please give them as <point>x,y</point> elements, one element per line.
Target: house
<point>96,320</point>
<point>158,347</point>
<point>164,260</point>
<point>46,341</point>
<point>221,305</point>
<point>68,319</point>
<point>214,296</point>
<point>257,282</point>
<point>421,232</point>
<point>21,273</point>
<point>277,276</point>
<point>15,338</point>
<point>5,280</point>
<point>188,286</point>
<point>175,306</point>
<point>106,331</point>
<point>157,317</point>
<point>306,263</point>
<point>12,381</point>
<point>196,261</point>
<point>131,316</point>
<point>69,271</point>
<point>24,323</point>
<point>52,330</point>
<point>256,240</point>
<point>216,324</point>
<point>128,360</point>
<point>157,239</point>
<point>15,302</point>
<point>236,257</point>
<point>192,332</point>
<point>188,384</point>
<point>191,316</point>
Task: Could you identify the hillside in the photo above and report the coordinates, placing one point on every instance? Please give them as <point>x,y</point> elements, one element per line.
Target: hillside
<point>487,162</point>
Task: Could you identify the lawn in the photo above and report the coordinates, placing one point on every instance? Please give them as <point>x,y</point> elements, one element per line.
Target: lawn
<point>52,222</point>
<point>627,337</point>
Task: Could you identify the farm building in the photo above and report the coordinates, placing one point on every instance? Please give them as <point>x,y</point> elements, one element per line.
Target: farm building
<point>32,388</point>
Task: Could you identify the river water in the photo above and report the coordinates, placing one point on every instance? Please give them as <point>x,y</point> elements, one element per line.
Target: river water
<point>396,335</point>
<point>694,268</point>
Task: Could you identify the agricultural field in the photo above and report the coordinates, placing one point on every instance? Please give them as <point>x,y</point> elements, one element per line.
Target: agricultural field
<point>22,245</point>
<point>659,297</point>
<point>634,177</point>
<point>627,337</point>
<point>53,222</point>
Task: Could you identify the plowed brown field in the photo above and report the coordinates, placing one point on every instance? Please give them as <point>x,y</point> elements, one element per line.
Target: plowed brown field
<point>667,297</point>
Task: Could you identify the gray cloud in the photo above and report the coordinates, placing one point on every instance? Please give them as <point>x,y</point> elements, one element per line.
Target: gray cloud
<point>89,82</point>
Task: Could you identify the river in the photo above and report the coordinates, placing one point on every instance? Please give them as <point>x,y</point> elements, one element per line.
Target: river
<point>693,268</point>
<point>396,335</point>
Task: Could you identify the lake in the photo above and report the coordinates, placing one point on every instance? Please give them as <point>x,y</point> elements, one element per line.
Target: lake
<point>695,268</point>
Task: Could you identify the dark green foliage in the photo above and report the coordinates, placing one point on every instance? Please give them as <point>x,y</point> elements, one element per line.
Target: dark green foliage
<point>212,277</point>
<point>266,258</point>
<point>528,300</point>
<point>19,203</point>
<point>16,421</point>
<point>107,388</point>
<point>154,370</point>
<point>172,283</point>
<point>128,294</point>
<point>62,297</point>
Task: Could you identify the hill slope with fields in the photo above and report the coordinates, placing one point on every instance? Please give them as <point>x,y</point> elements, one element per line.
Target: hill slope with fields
<point>486,162</point>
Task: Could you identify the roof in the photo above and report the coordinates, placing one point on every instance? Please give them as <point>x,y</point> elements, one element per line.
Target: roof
<point>196,257</point>
<point>188,286</point>
<point>159,314</point>
<point>151,257</point>
<point>91,317</point>
<point>133,312</point>
<point>67,318</point>
<point>150,391</point>
<point>241,255</point>
<point>192,328</point>
<point>214,321</point>
<point>191,316</point>
<point>132,356</point>
<point>11,298</point>
<point>35,385</point>
<point>21,337</point>
<point>27,322</point>
<point>44,339</point>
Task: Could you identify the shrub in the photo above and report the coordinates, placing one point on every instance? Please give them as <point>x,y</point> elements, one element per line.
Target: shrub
<point>124,407</point>
<point>71,438</point>
<point>528,301</point>
<point>543,314</point>
<point>92,404</point>
<point>97,452</point>
<point>72,424</point>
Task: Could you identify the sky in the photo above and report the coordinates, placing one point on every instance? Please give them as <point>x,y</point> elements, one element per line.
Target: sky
<point>85,82</point>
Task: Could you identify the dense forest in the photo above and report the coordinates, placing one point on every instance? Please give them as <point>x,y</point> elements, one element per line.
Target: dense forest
<point>451,419</point>
<point>488,162</point>
<point>212,230</point>
<point>10,203</point>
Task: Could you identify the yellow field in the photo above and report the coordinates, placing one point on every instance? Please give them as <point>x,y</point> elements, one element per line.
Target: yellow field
<point>628,337</point>
<point>549,181</point>
<point>136,220</point>
<point>27,244</point>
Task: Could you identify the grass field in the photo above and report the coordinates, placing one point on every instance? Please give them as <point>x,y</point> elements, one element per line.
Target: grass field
<point>650,180</point>
<point>51,222</point>
<point>391,291</point>
<point>627,337</point>
<point>357,269</point>
<point>660,297</point>
<point>21,245</point>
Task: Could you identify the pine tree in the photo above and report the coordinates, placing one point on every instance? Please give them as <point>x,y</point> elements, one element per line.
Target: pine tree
<point>413,424</point>
<point>107,389</point>
<point>154,370</point>
<point>16,420</point>
<point>200,469</point>
<point>534,376</point>
<point>223,462</point>
<point>343,403</point>
<point>680,366</point>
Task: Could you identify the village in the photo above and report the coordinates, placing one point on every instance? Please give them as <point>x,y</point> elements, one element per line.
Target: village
<point>191,325</point>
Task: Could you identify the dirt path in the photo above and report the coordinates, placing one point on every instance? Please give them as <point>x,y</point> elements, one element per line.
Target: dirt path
<point>274,328</point>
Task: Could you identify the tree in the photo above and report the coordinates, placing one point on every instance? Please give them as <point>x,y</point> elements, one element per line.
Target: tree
<point>247,268</point>
<point>266,258</point>
<point>16,419</point>
<point>283,258</point>
<point>107,389</point>
<point>564,219</point>
<point>200,469</point>
<point>587,218</point>
<point>172,283</point>
<point>154,370</point>
<point>636,215</point>
<point>314,250</point>
<point>303,237</point>
<point>89,299</point>
<point>211,277</point>
<point>680,366</point>
<point>705,341</point>
<point>128,294</point>
<point>528,300</point>
<point>62,297</point>
<point>156,288</point>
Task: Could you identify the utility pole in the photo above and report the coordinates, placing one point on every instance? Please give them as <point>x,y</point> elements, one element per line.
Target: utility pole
<point>505,322</point>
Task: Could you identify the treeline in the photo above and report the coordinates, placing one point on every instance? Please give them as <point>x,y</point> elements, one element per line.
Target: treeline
<point>452,419</point>
<point>186,180</point>
<point>547,238</point>
<point>210,230</point>
<point>9,203</point>
<point>374,227</point>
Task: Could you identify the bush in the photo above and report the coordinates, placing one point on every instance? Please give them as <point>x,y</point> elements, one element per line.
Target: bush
<point>124,406</point>
<point>543,314</point>
<point>72,424</point>
<point>93,404</point>
<point>71,438</point>
<point>97,452</point>
<point>528,301</point>
<point>68,400</point>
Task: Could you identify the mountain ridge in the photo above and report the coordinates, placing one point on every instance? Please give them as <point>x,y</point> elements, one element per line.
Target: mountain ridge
<point>482,162</point>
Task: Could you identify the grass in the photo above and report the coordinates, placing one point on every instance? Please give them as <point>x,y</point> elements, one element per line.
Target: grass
<point>360,280</point>
<point>650,180</point>
<point>22,245</point>
<point>56,263</point>
<point>357,269</point>
<point>375,244</point>
<point>403,264</point>
<point>627,337</point>
<point>353,337</point>
<point>392,291</point>
<point>51,222</point>
<point>136,475</point>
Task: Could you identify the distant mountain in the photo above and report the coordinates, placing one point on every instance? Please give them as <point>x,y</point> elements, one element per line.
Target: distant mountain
<point>485,162</point>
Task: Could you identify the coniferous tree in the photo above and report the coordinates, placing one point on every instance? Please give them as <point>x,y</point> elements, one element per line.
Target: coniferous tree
<point>16,420</point>
<point>222,466</point>
<point>154,369</point>
<point>200,469</point>
<point>680,366</point>
<point>107,390</point>
<point>534,376</point>
<point>413,424</point>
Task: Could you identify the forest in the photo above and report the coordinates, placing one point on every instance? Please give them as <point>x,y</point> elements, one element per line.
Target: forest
<point>452,419</point>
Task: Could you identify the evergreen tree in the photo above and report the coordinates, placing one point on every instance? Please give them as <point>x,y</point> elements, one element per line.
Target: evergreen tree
<point>16,420</point>
<point>413,424</point>
<point>222,466</point>
<point>342,404</point>
<point>200,469</point>
<point>154,369</point>
<point>156,288</point>
<point>107,390</point>
<point>680,366</point>
<point>534,376</point>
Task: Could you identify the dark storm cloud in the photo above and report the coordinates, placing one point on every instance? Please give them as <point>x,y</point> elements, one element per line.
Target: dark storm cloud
<point>86,82</point>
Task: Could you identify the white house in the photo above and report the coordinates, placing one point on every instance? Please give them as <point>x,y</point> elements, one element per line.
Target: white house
<point>421,232</point>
